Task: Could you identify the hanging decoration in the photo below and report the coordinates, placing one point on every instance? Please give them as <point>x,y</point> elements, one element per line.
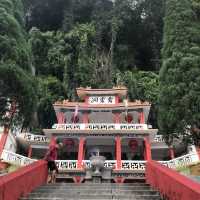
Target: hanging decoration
<point>69,143</point>
<point>129,118</point>
<point>133,145</point>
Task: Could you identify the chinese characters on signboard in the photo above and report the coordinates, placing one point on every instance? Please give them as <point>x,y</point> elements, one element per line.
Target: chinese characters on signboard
<point>101,100</point>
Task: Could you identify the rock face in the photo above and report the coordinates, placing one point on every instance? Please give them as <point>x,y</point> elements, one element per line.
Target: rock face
<point>99,191</point>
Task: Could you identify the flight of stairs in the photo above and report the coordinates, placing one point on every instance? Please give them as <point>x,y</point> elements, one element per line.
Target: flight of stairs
<point>101,191</point>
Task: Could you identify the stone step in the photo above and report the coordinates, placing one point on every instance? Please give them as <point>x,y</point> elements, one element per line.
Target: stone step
<point>96,193</point>
<point>97,184</point>
<point>91,189</point>
<point>137,197</point>
<point>64,185</point>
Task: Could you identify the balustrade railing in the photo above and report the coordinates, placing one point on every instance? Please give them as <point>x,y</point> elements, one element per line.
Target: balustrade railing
<point>100,126</point>
<point>171,184</point>
<point>182,161</point>
<point>159,138</point>
<point>126,164</point>
<point>16,159</point>
<point>43,139</point>
<point>21,182</point>
<point>33,138</point>
<point>133,165</point>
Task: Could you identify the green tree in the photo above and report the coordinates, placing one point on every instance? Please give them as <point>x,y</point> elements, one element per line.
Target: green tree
<point>16,85</point>
<point>15,61</point>
<point>13,45</point>
<point>50,90</point>
<point>179,101</point>
<point>143,86</point>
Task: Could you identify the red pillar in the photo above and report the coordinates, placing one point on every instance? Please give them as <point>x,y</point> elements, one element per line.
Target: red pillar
<point>80,152</point>
<point>117,118</point>
<point>198,151</point>
<point>118,152</point>
<point>142,118</point>
<point>116,99</point>
<point>60,117</point>
<point>85,118</point>
<point>52,141</point>
<point>86,99</point>
<point>4,138</point>
<point>30,150</point>
<point>171,153</point>
<point>147,153</point>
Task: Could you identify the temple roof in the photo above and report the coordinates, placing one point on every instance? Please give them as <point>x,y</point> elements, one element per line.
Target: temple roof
<point>84,106</point>
<point>121,91</point>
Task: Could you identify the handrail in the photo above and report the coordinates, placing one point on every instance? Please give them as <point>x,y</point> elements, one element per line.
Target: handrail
<point>21,182</point>
<point>16,159</point>
<point>182,161</point>
<point>170,183</point>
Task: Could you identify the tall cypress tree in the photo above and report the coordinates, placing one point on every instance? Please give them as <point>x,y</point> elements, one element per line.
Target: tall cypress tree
<point>16,83</point>
<point>179,100</point>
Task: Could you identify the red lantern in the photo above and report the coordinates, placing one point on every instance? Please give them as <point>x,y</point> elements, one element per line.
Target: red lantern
<point>129,118</point>
<point>133,145</point>
<point>69,143</point>
<point>75,119</point>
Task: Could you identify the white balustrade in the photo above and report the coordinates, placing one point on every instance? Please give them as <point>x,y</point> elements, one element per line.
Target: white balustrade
<point>126,164</point>
<point>159,138</point>
<point>182,161</point>
<point>16,159</point>
<point>100,126</point>
<point>66,164</point>
<point>34,138</point>
<point>133,165</point>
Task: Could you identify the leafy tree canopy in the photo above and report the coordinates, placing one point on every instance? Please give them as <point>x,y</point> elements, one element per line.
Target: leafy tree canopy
<point>179,75</point>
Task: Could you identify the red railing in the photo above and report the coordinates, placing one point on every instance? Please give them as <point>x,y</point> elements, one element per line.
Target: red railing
<point>23,181</point>
<point>171,184</point>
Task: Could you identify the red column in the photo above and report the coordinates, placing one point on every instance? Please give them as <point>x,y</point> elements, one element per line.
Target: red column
<point>116,99</point>
<point>60,117</point>
<point>85,118</point>
<point>4,138</point>
<point>52,141</point>
<point>142,118</point>
<point>117,118</point>
<point>198,151</point>
<point>118,152</point>
<point>86,99</point>
<point>147,153</point>
<point>80,152</point>
<point>30,152</point>
<point>171,153</point>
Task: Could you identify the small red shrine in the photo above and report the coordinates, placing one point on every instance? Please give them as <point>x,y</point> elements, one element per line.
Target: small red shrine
<point>103,120</point>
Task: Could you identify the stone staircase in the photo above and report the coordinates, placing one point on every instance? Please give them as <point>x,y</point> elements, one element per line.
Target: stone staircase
<point>99,191</point>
